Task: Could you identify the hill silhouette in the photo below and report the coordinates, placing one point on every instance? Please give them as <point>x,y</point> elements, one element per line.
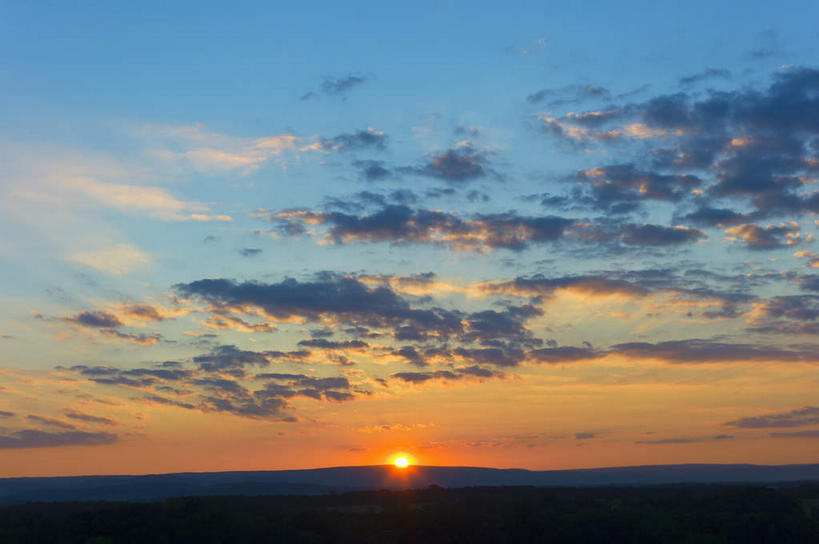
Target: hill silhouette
<point>345,479</point>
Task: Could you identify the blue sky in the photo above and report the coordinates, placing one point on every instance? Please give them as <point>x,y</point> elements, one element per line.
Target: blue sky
<point>359,226</point>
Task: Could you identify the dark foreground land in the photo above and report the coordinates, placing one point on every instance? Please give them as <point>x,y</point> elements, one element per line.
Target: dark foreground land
<point>668,514</point>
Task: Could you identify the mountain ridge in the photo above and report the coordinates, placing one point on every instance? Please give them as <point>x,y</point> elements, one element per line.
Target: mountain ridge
<point>148,487</point>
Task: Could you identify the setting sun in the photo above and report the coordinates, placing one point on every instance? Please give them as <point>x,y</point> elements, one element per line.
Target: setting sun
<point>401,462</point>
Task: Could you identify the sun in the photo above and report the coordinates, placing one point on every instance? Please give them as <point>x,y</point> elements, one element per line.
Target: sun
<point>401,462</point>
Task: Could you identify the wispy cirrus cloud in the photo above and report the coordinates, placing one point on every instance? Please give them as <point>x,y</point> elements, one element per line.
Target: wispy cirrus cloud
<point>117,260</point>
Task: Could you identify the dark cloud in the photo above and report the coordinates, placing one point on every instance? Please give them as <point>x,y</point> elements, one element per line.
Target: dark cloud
<point>796,434</point>
<point>796,314</point>
<point>51,422</point>
<point>345,298</point>
<point>572,94</point>
<point>707,74</point>
<point>564,354</point>
<point>4,414</point>
<point>715,217</point>
<point>446,375</point>
<point>143,339</point>
<point>658,235</point>
<point>108,323</point>
<point>709,351</point>
<point>87,418</point>
<point>225,321</point>
<point>798,307</point>
<point>809,415</point>
<point>229,358</point>
<point>809,282</point>
<point>752,147</point>
<point>373,170</point>
<point>322,343</point>
<point>400,224</point>
<point>412,355</point>
<point>219,383</point>
<point>98,319</point>
<point>32,438</point>
<point>492,356</point>
<point>613,187</point>
<point>250,252</point>
<point>769,237</point>
<point>457,165</point>
<point>145,312</point>
<point>583,436</point>
<point>353,141</point>
<point>339,87</point>
<point>364,200</point>
<point>687,440</point>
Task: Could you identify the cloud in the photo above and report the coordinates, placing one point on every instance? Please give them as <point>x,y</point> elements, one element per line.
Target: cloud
<point>96,319</point>
<point>338,87</point>
<point>796,434</point>
<point>809,415</point>
<point>155,201</point>
<point>87,418</point>
<point>583,436</point>
<point>695,350</point>
<point>205,151</point>
<point>464,373</point>
<point>715,217</point>
<point>143,339</point>
<point>491,356</point>
<point>321,343</point>
<point>564,354</point>
<point>373,170</point>
<point>539,285</point>
<point>686,440</point>
<point>341,86</point>
<point>811,257</point>
<point>750,148</point>
<point>770,237</point>
<point>32,438</point>
<point>400,224</point>
<point>118,260</point>
<point>219,381</point>
<point>108,324</point>
<point>250,252</point>
<point>572,94</point>
<point>616,188</point>
<point>224,322</point>
<point>658,235</point>
<point>354,141</point>
<point>228,358</point>
<point>798,307</point>
<point>50,422</point>
<point>676,289</point>
<point>707,74</point>
<point>327,297</point>
<point>456,165</point>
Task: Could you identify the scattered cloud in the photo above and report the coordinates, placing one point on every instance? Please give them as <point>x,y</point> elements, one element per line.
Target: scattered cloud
<point>33,438</point>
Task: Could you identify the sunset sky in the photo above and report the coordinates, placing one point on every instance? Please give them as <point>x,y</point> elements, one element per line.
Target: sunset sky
<point>262,236</point>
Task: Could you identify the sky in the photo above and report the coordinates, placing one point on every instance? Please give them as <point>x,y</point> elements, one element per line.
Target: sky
<point>251,236</point>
